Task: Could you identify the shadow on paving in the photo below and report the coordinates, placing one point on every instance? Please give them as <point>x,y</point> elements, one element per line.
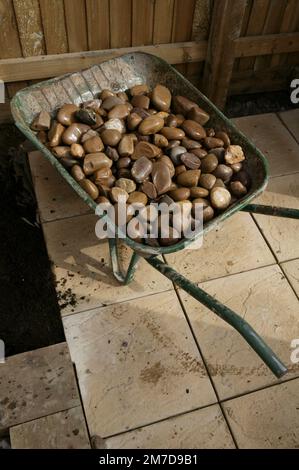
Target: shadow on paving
<point>29,312</point>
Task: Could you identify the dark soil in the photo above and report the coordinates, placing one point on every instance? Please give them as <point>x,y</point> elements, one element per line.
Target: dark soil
<point>258,103</point>
<point>29,312</point>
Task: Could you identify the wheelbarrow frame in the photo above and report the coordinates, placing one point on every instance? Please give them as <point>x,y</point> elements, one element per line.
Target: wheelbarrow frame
<point>120,74</point>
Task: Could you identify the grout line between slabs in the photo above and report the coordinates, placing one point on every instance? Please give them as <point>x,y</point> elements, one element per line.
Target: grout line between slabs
<point>204,362</point>
<point>256,390</point>
<point>81,403</point>
<point>114,303</point>
<point>278,263</point>
<point>177,415</point>
<point>200,283</point>
<point>289,130</point>
<point>43,416</point>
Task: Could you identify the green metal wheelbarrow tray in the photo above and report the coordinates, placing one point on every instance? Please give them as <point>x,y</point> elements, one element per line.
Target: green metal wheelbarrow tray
<point>120,74</point>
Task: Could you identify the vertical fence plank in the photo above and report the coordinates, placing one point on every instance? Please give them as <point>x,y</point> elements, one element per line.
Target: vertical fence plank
<point>52,13</point>
<point>31,34</point>
<point>255,27</point>
<point>271,26</point>
<point>76,25</point>
<point>182,24</point>
<point>9,45</point>
<point>142,22</point>
<point>120,23</point>
<point>163,16</point>
<point>97,12</point>
<point>288,25</point>
<point>29,27</point>
<point>292,58</point>
<point>226,25</point>
<point>244,29</point>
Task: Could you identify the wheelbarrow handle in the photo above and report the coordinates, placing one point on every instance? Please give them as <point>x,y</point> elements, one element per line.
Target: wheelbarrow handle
<point>241,325</point>
<point>276,211</point>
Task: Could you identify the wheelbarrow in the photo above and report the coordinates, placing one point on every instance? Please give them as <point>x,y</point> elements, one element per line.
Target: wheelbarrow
<point>120,74</point>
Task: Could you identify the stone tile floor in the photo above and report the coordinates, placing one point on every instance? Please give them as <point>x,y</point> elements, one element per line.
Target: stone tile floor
<point>154,367</point>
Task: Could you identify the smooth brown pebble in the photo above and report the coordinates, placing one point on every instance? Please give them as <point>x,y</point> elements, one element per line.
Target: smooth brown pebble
<point>200,153</point>
<point>73,133</point>
<point>209,163</point>
<point>119,111</point>
<point>207,180</point>
<point>220,198</point>
<point>67,114</point>
<point>173,133</point>
<point>55,134</point>
<point>151,125</point>
<point>224,172</point>
<point>112,153</point>
<point>61,151</point>
<point>145,149</point>
<point>191,161</point>
<point>95,161</point>
<point>165,159</point>
<point>137,197</point>
<point>212,142</point>
<point>141,169</point>
<point>140,101</point>
<point>224,137</point>
<point>90,188</point>
<point>161,177</point>
<point>161,97</point>
<point>111,137</point>
<point>118,194</point>
<point>115,125</point>
<point>180,194</point>
<point>77,173</point>
<point>149,189</point>
<point>126,146</point>
<point>190,144</point>
<point>189,178</point>
<point>93,145</point>
<point>127,184</point>
<point>133,121</point>
<point>179,169</point>
<point>236,167</point>
<point>194,130</point>
<point>207,213</point>
<point>103,177</point>
<point>77,151</point>
<point>238,189</point>
<point>88,135</point>
<point>199,115</point>
<point>124,162</point>
<point>142,89</point>
<point>171,121</point>
<point>197,191</point>
<point>182,105</point>
<point>111,102</point>
<point>160,140</point>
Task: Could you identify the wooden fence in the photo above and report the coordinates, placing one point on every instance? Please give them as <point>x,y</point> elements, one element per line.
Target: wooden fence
<point>223,46</point>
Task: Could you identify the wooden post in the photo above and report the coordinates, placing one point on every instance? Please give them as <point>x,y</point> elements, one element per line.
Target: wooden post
<point>225,28</point>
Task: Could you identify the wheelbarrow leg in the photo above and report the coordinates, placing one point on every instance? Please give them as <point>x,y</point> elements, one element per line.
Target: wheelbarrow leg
<point>117,271</point>
<point>272,210</point>
<point>248,333</point>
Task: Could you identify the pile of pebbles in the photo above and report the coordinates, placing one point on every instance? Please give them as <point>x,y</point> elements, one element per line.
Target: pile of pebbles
<point>146,146</point>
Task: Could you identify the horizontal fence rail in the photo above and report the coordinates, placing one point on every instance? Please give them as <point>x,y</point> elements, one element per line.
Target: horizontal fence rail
<point>227,46</point>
